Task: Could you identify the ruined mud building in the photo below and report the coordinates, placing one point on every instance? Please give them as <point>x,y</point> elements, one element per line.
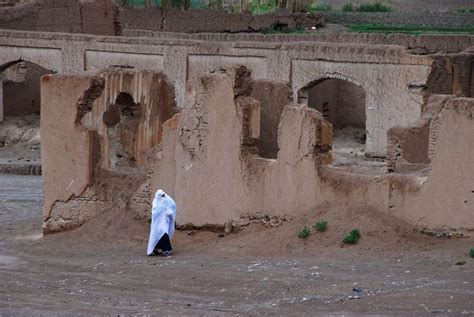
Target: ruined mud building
<point>235,123</point>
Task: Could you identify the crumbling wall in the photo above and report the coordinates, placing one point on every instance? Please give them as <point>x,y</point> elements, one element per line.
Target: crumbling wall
<point>273,97</point>
<point>112,123</point>
<point>410,147</point>
<point>207,156</point>
<point>219,172</point>
<point>446,196</point>
<point>452,74</point>
<point>212,21</point>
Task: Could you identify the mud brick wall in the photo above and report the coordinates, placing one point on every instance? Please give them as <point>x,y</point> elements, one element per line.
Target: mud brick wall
<point>212,21</point>
<point>98,18</point>
<point>452,74</point>
<point>143,19</point>
<point>434,19</point>
<point>68,16</point>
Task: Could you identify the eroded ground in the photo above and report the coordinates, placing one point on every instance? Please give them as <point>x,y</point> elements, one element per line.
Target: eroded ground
<point>102,268</point>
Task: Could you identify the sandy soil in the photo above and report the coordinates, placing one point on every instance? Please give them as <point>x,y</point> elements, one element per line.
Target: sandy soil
<point>349,153</point>
<point>101,268</point>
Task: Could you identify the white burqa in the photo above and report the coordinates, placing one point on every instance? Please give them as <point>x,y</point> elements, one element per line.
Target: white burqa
<point>163,216</point>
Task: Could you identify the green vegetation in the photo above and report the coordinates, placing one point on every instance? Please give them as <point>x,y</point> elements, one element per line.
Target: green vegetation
<point>471,253</point>
<point>466,10</point>
<point>198,4</point>
<point>352,237</point>
<point>374,7</point>
<point>320,7</point>
<point>262,7</point>
<point>304,233</point>
<point>321,226</point>
<point>408,29</point>
<point>348,7</point>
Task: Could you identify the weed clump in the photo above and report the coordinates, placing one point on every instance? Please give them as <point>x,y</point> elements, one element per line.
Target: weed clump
<point>465,10</point>
<point>321,226</point>
<point>304,233</point>
<point>348,7</point>
<point>471,253</point>
<point>352,237</point>
<point>374,7</point>
<point>320,7</point>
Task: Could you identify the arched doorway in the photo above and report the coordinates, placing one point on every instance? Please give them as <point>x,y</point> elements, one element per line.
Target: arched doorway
<point>22,89</point>
<point>20,106</point>
<point>343,104</point>
<point>340,101</point>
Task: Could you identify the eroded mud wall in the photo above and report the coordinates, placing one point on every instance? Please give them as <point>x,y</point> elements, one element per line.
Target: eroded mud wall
<point>112,123</point>
<point>446,196</point>
<point>207,156</point>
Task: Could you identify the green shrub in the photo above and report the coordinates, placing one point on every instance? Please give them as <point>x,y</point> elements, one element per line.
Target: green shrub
<point>471,253</point>
<point>321,226</point>
<point>352,237</point>
<point>235,8</point>
<point>374,7</point>
<point>304,233</point>
<point>262,7</point>
<point>348,7</point>
<point>320,7</point>
<point>465,10</point>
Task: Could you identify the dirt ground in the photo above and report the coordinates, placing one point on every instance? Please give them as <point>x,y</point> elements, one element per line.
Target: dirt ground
<point>101,268</point>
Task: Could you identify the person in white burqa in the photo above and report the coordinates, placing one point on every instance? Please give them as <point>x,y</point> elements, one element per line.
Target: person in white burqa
<point>163,216</point>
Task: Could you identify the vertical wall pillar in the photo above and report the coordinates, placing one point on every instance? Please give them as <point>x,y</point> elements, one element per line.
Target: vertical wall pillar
<point>1,99</point>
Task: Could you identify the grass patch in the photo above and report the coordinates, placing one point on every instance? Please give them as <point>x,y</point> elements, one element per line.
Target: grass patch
<point>465,10</point>
<point>304,233</point>
<point>408,29</point>
<point>374,7</point>
<point>471,253</point>
<point>262,7</point>
<point>321,226</point>
<point>320,7</point>
<point>348,7</point>
<point>352,237</point>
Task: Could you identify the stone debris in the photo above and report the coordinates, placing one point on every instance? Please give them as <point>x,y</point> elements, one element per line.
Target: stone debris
<point>268,221</point>
<point>444,232</point>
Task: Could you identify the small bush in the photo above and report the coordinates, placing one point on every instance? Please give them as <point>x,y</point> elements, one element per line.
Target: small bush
<point>374,7</point>
<point>304,233</point>
<point>348,7</point>
<point>320,7</point>
<point>471,253</point>
<point>258,7</point>
<point>321,226</point>
<point>235,8</point>
<point>465,10</point>
<point>352,237</point>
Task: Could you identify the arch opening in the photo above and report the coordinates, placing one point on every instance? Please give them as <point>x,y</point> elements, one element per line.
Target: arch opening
<point>20,106</point>
<point>343,104</point>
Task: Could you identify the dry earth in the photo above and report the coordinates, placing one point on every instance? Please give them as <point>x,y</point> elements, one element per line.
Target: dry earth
<point>101,268</point>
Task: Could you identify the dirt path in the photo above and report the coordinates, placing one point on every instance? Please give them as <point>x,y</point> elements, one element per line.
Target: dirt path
<point>240,274</point>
